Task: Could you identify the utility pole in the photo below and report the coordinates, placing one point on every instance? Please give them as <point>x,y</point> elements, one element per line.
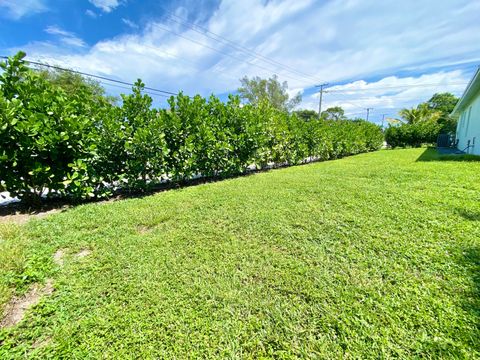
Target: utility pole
<point>320,100</point>
<point>383,119</point>
<point>368,112</point>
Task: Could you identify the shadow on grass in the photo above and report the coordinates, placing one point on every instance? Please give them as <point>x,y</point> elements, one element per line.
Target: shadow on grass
<point>48,205</point>
<point>62,204</point>
<point>468,214</point>
<point>432,154</point>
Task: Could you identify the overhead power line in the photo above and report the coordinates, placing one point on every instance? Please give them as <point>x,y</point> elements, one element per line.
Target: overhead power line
<point>365,101</point>
<point>93,76</point>
<point>226,40</point>
<point>222,52</point>
<point>347,102</point>
<point>335,97</point>
<point>356,114</point>
<point>129,88</point>
<point>393,87</point>
<point>221,39</point>
<point>183,59</point>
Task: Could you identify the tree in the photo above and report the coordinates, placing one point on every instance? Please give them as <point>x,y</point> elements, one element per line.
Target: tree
<point>445,103</point>
<point>73,83</point>
<point>421,113</point>
<point>306,115</point>
<point>333,113</point>
<point>437,110</point>
<point>256,90</point>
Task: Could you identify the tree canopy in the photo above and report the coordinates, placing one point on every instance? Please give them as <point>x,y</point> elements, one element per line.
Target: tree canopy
<point>443,102</point>
<point>420,113</point>
<point>422,124</point>
<point>257,90</point>
<point>437,109</point>
<point>72,83</point>
<point>306,115</point>
<point>334,113</point>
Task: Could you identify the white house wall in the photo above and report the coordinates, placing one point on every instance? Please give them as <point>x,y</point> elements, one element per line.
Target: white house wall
<point>470,129</point>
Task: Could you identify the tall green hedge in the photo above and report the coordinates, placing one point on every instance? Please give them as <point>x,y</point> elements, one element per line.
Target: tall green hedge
<point>415,135</point>
<point>78,146</point>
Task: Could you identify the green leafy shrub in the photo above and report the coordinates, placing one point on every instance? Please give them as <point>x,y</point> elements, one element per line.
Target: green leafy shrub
<point>415,134</point>
<point>80,144</point>
<point>46,142</point>
<point>132,142</point>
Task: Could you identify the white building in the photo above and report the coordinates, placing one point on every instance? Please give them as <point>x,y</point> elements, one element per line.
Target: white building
<point>467,111</point>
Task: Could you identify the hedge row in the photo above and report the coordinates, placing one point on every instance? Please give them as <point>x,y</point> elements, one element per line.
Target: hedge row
<point>79,145</point>
<point>415,135</point>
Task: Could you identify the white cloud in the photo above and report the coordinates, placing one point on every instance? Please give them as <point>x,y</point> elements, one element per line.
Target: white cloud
<point>130,23</point>
<point>387,95</point>
<point>18,9</point>
<point>333,41</point>
<point>55,30</point>
<point>105,5</point>
<point>73,41</point>
<point>91,13</point>
<point>66,37</point>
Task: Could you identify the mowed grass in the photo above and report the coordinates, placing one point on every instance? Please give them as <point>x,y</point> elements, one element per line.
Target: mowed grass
<point>371,256</point>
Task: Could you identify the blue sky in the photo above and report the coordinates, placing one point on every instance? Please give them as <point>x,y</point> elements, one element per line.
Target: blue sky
<point>384,55</point>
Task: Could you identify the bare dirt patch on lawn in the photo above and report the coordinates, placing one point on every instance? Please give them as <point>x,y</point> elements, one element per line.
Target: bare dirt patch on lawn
<point>58,257</point>
<point>21,216</point>
<point>83,253</point>
<point>16,308</point>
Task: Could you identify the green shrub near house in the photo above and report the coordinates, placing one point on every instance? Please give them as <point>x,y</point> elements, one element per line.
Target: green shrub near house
<point>422,124</point>
<point>414,135</point>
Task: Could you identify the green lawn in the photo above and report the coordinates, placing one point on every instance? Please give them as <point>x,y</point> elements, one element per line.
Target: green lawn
<point>371,256</point>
